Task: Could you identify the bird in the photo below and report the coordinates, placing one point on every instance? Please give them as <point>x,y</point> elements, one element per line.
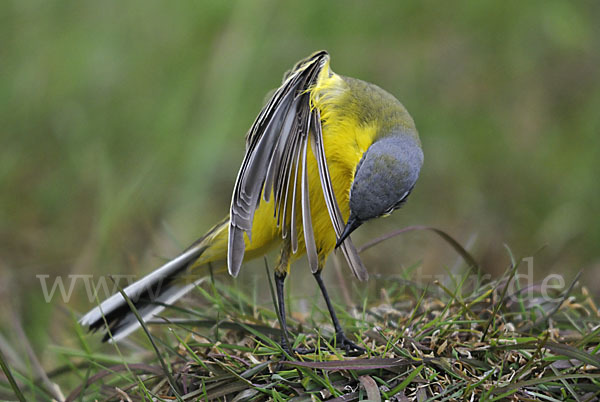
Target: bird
<point>325,154</point>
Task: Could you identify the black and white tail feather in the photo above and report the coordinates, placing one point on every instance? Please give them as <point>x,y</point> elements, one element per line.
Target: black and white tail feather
<point>276,152</point>
<point>149,295</point>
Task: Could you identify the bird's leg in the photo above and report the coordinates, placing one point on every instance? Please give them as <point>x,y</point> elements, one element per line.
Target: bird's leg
<point>281,271</point>
<point>340,338</point>
<point>279,281</point>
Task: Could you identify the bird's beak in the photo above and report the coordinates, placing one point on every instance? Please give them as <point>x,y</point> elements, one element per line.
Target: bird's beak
<point>350,227</point>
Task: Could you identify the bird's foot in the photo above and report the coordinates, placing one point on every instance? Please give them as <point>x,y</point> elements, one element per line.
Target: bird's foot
<point>286,348</point>
<point>295,351</point>
<point>342,342</point>
<point>304,351</point>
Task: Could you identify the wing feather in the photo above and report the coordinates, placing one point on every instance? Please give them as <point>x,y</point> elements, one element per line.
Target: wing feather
<point>279,150</point>
<point>309,236</point>
<point>293,220</point>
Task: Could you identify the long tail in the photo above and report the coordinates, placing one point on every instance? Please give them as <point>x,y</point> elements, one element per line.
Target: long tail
<point>151,293</point>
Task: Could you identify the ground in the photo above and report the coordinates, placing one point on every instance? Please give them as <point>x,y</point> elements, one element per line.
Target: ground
<point>462,340</point>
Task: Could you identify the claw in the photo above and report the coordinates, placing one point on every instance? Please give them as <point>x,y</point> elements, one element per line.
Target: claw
<point>343,342</point>
<point>304,351</point>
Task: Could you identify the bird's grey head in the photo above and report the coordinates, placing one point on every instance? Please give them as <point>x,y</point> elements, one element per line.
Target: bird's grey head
<point>384,177</point>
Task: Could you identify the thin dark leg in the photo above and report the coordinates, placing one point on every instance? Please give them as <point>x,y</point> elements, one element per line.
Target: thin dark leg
<point>341,340</point>
<point>279,280</point>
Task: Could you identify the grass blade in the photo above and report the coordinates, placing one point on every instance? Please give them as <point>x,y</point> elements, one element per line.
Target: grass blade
<point>11,379</point>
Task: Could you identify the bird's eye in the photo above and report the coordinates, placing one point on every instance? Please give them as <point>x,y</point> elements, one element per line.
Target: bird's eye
<point>398,204</point>
<point>391,209</point>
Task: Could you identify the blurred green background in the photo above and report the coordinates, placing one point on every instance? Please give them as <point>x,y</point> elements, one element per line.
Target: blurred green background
<point>123,128</point>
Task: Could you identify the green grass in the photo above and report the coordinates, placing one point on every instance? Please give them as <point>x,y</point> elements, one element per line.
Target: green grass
<point>463,339</point>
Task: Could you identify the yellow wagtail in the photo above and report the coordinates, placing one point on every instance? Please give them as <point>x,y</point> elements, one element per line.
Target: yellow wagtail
<point>325,154</point>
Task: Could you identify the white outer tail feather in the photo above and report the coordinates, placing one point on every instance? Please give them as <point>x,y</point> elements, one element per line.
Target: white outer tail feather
<point>169,294</point>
